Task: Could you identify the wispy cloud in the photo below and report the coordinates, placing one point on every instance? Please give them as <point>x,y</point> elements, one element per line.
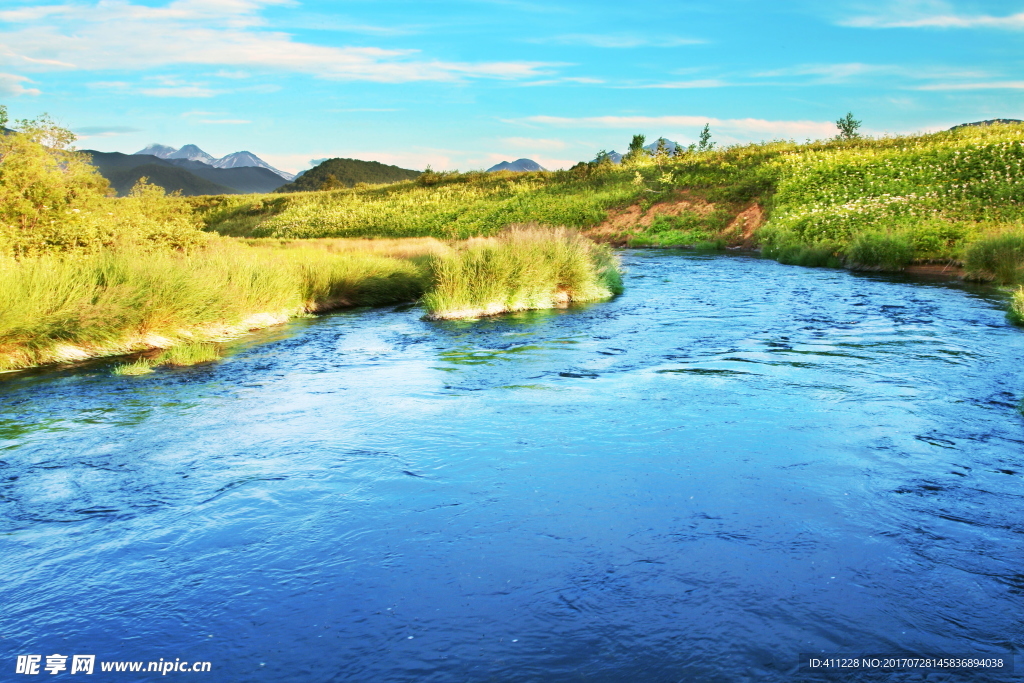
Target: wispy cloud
<point>118,35</point>
<point>949,20</point>
<point>13,86</point>
<point>104,131</point>
<point>991,85</point>
<point>846,72</point>
<point>679,85</point>
<point>743,128</point>
<point>562,81</point>
<point>534,143</point>
<point>616,41</point>
<point>225,121</point>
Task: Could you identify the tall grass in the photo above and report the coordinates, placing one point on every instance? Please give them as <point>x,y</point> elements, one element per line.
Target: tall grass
<point>998,257</point>
<point>525,267</point>
<point>66,308</point>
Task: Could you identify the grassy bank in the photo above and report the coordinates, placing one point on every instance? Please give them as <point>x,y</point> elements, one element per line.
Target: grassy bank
<point>64,308</point>
<point>522,268</point>
<point>58,308</point>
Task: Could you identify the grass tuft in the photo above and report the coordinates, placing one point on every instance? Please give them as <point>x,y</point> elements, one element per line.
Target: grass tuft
<point>142,366</point>
<point>525,267</point>
<point>189,354</point>
<point>998,257</point>
<point>879,251</point>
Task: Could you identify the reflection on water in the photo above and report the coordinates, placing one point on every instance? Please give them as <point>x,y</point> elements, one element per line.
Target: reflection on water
<point>730,464</point>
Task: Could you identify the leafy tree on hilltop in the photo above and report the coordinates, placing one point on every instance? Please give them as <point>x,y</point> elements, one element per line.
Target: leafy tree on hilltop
<point>848,127</point>
<point>705,143</point>
<point>636,149</point>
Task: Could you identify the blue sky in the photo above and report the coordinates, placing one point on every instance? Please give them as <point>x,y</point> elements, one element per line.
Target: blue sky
<point>467,83</point>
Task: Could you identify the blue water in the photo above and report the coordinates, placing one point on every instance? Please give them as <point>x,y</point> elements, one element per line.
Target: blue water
<point>733,463</point>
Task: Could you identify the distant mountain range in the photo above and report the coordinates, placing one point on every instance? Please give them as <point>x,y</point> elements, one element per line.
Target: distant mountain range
<point>183,175</point>
<point>193,153</point>
<point>517,165</point>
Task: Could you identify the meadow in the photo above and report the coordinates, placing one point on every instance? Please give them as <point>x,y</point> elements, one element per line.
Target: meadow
<point>85,274</point>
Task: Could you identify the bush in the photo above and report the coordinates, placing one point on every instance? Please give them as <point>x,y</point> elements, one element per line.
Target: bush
<point>879,251</point>
<point>999,258</point>
<point>525,267</point>
<point>810,255</point>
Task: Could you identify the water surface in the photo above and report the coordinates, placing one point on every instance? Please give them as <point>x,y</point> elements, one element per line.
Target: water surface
<point>732,463</point>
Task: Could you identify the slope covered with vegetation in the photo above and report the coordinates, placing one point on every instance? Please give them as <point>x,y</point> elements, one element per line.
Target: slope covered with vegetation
<point>334,174</point>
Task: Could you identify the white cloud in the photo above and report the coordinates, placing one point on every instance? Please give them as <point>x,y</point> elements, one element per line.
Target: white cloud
<point>11,86</point>
<point>225,121</point>
<point>991,85</point>
<point>617,41</point>
<point>180,91</point>
<point>679,85</point>
<point>738,128</point>
<point>85,132</point>
<point>562,81</point>
<point>534,143</point>
<point>844,72</point>
<point>937,20</point>
<point>118,35</point>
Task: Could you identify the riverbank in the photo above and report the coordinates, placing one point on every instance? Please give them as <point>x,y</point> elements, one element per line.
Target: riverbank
<point>56,309</point>
<point>871,203</point>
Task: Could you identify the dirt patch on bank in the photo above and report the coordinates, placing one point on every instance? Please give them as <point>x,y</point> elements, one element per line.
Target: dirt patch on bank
<point>742,228</point>
<point>622,224</point>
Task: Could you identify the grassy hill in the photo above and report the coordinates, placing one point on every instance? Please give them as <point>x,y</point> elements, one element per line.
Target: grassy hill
<point>334,174</point>
<point>871,203</point>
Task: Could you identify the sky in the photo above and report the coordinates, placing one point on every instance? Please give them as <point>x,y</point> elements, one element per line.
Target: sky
<point>464,84</point>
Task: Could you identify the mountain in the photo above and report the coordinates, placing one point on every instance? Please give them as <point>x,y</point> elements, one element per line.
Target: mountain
<point>338,173</point>
<point>162,151</point>
<point>194,153</point>
<point>517,165</point>
<point>615,157</point>
<point>987,123</point>
<point>669,145</point>
<point>188,176</point>
<point>248,159</point>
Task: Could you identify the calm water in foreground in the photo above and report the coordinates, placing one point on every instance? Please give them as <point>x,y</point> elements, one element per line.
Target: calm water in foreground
<point>731,464</point>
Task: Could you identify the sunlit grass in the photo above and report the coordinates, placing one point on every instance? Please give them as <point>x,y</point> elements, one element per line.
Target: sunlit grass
<point>524,267</point>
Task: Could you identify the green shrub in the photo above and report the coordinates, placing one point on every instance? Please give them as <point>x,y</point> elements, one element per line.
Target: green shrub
<point>525,267</point>
<point>997,257</point>
<point>879,251</point>
<point>810,255</point>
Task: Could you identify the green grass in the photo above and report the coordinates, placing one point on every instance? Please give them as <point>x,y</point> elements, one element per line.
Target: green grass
<point>525,267</point>
<point>60,308</point>
<point>142,366</point>
<point>997,257</point>
<point>56,308</point>
<point>1016,312</point>
<point>189,354</point>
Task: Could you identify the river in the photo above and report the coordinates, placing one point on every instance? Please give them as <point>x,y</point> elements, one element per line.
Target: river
<point>733,463</point>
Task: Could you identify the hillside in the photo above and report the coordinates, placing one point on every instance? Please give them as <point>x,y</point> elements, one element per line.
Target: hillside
<point>170,178</point>
<point>340,173</point>
<point>189,176</point>
<point>869,203</point>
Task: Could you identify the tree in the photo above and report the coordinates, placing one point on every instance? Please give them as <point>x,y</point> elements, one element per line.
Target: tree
<point>636,149</point>
<point>848,127</point>
<point>662,150</point>
<point>705,139</point>
<point>46,187</point>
